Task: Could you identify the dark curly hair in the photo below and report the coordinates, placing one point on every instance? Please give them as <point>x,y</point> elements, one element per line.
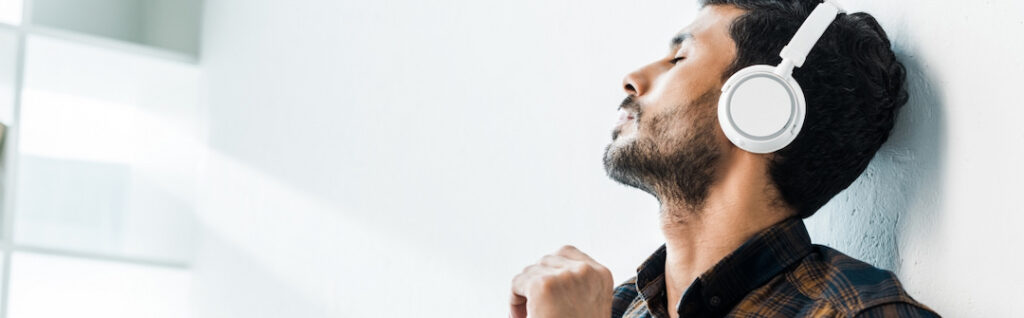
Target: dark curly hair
<point>853,86</point>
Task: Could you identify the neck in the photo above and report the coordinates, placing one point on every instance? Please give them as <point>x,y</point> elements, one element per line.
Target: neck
<point>738,206</point>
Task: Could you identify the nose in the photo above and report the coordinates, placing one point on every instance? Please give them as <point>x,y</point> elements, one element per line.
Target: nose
<point>635,84</point>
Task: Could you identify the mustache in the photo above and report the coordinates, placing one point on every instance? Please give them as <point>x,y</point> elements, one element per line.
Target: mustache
<point>630,104</point>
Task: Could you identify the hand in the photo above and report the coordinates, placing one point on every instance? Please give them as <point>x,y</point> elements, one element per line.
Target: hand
<point>566,284</point>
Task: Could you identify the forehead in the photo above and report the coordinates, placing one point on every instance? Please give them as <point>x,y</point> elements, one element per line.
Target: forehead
<point>711,26</point>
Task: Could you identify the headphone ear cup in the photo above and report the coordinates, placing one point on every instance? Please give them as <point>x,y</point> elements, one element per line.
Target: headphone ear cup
<point>760,111</point>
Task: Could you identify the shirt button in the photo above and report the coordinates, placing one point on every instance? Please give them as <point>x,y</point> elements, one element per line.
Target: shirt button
<point>714,301</point>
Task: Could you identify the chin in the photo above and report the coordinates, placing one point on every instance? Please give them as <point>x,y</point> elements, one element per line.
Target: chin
<point>617,147</point>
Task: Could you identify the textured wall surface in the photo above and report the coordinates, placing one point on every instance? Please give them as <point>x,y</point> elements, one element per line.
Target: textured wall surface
<point>940,202</point>
<point>387,158</point>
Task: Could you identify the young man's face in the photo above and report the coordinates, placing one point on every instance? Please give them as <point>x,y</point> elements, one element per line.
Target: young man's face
<point>668,142</point>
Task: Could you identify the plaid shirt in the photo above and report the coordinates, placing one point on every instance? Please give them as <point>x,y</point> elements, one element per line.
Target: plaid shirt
<point>777,273</point>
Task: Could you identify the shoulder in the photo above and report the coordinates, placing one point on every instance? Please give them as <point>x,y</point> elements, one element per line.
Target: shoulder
<point>853,287</point>
<point>627,288</point>
<point>624,295</point>
<point>897,309</point>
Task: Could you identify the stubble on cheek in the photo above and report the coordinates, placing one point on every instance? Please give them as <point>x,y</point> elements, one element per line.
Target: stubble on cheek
<point>668,131</point>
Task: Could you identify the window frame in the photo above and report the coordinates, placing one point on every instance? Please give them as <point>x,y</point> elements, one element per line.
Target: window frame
<point>10,152</point>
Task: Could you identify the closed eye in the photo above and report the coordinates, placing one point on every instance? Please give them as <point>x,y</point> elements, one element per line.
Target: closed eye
<point>676,60</point>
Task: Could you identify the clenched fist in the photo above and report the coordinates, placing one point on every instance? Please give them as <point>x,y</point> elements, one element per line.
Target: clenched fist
<point>566,284</point>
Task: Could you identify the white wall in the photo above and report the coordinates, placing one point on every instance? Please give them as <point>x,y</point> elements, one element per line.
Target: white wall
<point>377,158</point>
<point>384,158</point>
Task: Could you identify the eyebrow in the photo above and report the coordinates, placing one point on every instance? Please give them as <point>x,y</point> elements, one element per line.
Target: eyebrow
<point>679,38</point>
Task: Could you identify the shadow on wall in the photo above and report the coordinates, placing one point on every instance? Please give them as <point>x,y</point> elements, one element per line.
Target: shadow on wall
<point>899,195</point>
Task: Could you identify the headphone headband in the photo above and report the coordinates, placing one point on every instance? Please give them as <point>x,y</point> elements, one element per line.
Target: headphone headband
<point>796,51</point>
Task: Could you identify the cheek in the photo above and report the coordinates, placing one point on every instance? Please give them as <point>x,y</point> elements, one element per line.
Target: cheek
<point>668,124</point>
<point>685,120</point>
<point>673,88</point>
<point>678,90</point>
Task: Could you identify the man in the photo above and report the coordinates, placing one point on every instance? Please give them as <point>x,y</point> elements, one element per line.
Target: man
<point>736,244</point>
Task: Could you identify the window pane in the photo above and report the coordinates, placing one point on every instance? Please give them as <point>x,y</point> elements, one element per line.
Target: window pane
<point>44,286</point>
<point>168,24</point>
<point>108,152</point>
<point>10,11</point>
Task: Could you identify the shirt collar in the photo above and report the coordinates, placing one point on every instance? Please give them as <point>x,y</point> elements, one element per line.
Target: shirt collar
<point>756,261</point>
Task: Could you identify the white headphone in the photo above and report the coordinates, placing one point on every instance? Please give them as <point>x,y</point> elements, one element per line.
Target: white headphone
<point>762,107</point>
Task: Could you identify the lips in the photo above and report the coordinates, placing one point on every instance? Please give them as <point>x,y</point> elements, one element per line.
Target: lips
<point>625,116</point>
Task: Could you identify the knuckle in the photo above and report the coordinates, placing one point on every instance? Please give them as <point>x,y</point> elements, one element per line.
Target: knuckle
<point>545,284</point>
<point>583,269</point>
<point>605,274</point>
<point>567,248</point>
<point>529,268</point>
<point>566,275</point>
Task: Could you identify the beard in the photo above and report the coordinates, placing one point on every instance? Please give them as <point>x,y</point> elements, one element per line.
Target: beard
<point>670,167</point>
